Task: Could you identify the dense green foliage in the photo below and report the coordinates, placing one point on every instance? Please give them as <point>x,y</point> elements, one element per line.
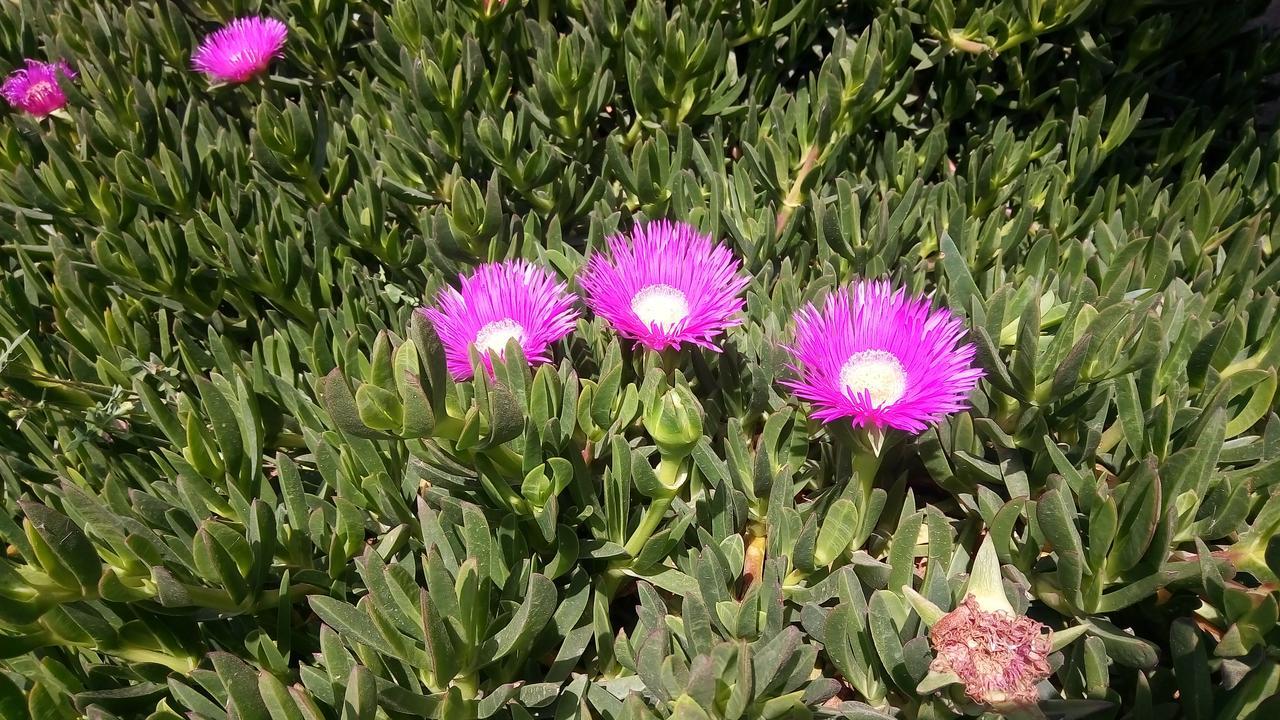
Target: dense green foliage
<point>236,482</point>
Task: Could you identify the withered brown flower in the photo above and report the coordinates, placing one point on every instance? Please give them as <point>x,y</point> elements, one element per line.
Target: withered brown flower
<point>1000,657</point>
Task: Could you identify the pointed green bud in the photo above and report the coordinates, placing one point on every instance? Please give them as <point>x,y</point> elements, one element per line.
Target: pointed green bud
<point>674,421</point>
<point>985,582</point>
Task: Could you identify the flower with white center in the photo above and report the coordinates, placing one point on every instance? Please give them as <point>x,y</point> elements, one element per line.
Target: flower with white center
<point>665,284</point>
<point>498,303</point>
<point>879,358</point>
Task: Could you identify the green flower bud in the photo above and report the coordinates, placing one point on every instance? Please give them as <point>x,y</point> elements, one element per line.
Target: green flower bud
<point>674,422</point>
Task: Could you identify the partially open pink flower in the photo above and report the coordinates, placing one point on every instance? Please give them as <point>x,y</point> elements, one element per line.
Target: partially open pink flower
<point>500,302</point>
<point>241,50</point>
<point>665,284</point>
<point>35,89</point>
<point>879,357</point>
<point>1000,657</point>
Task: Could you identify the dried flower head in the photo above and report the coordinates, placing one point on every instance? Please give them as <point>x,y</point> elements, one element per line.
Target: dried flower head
<point>497,303</point>
<point>241,50</point>
<point>35,89</point>
<point>665,284</point>
<point>1000,657</point>
<point>878,357</point>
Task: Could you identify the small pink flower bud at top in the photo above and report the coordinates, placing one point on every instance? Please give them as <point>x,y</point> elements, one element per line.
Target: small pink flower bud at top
<point>1000,657</point>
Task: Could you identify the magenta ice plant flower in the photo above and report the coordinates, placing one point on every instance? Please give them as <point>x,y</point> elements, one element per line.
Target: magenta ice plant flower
<point>240,50</point>
<point>665,284</point>
<point>36,88</point>
<point>497,303</point>
<point>879,358</point>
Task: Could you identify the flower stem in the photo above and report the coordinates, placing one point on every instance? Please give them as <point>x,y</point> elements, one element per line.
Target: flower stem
<point>602,598</point>
<point>795,194</point>
<point>670,359</point>
<point>668,474</point>
<point>652,517</point>
<point>865,466</point>
<point>866,462</point>
<point>669,471</point>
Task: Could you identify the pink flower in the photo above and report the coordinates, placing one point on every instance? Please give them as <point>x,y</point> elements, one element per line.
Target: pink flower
<point>1000,657</point>
<point>497,303</point>
<point>880,358</point>
<point>35,88</point>
<point>241,50</point>
<point>664,285</point>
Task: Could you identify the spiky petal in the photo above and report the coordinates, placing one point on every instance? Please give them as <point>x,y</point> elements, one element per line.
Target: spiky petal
<point>36,89</point>
<point>665,284</point>
<point>499,302</point>
<point>1000,657</point>
<point>877,357</point>
<point>241,50</point>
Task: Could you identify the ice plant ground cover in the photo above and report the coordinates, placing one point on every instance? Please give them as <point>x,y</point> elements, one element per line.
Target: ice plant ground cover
<point>624,360</point>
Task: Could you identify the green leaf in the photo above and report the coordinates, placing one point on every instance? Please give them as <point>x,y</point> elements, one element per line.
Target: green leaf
<point>342,406</point>
<point>361,700</point>
<point>506,416</point>
<point>347,620</point>
<point>1124,647</point>
<point>1026,350</point>
<point>1057,520</point>
<point>1139,513</point>
<point>1067,374</point>
<point>241,683</point>
<point>439,642</point>
<point>837,532</point>
<point>962,291</point>
<point>902,552</point>
<point>1130,412</point>
<point>1191,667</point>
<point>61,547</point>
<point>225,421</point>
<point>534,613</point>
<point>419,418</point>
<point>379,409</point>
<point>770,658</point>
<point>213,557</point>
<point>12,702</point>
<point>276,697</point>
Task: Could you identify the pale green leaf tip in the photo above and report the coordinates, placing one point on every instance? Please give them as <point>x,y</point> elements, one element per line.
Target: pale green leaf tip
<point>1063,638</point>
<point>924,607</point>
<point>935,681</point>
<point>985,582</point>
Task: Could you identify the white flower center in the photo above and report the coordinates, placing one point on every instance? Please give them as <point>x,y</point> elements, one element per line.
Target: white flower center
<point>494,336</point>
<point>660,305</point>
<point>877,372</point>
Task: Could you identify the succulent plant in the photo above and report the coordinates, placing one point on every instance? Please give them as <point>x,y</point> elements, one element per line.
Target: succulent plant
<point>373,359</point>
